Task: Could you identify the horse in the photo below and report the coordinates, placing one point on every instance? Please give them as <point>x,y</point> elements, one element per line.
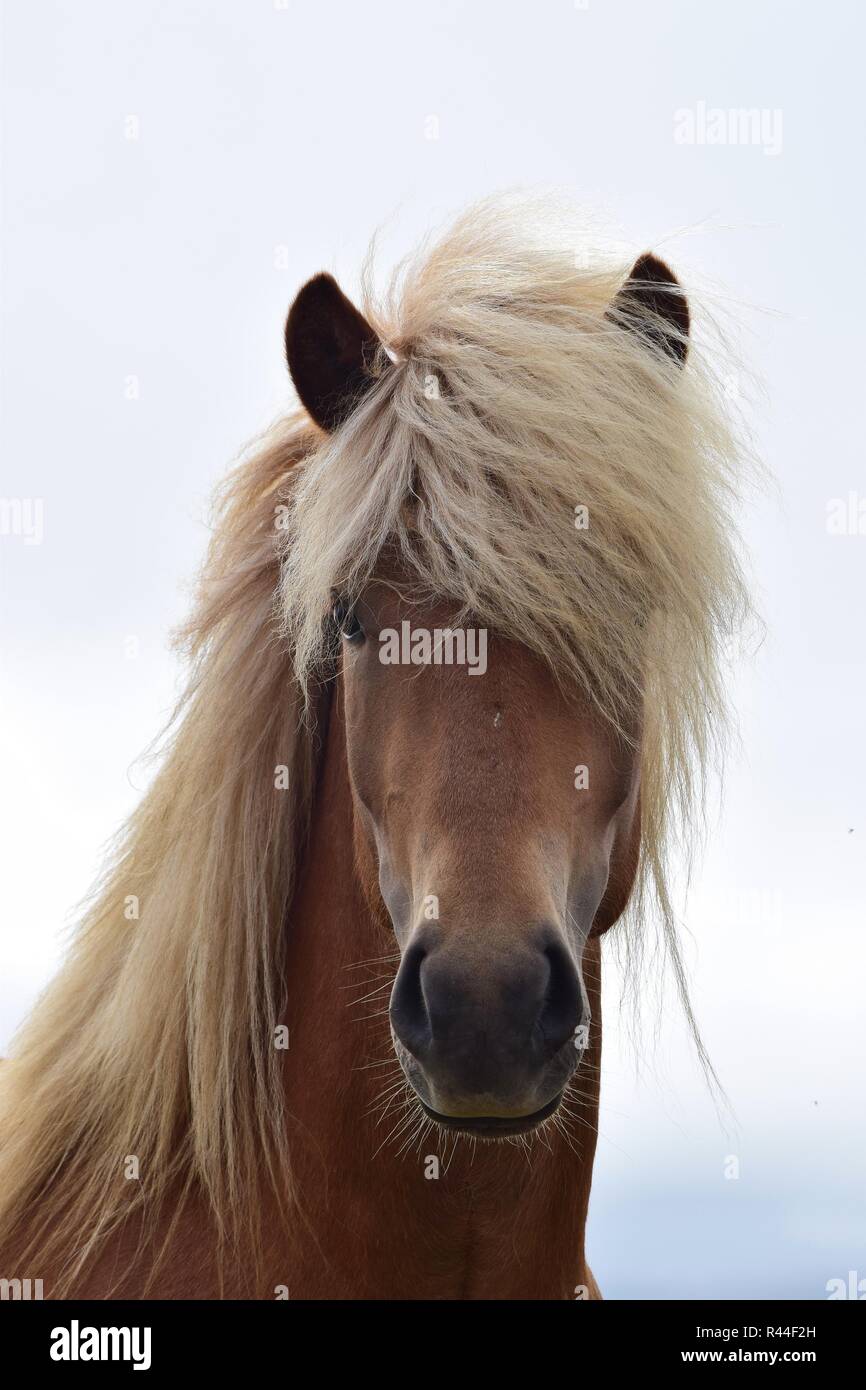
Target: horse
<point>330,1026</point>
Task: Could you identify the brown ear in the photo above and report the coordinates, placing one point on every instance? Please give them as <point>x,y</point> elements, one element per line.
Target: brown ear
<point>652,303</point>
<point>330,349</point>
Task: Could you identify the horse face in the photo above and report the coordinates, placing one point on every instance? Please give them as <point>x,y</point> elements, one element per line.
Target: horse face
<point>497,819</point>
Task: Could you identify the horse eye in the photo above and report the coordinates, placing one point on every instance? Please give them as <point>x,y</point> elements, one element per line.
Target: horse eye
<point>346,622</point>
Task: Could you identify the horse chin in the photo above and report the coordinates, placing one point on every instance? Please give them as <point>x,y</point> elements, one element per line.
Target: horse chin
<point>494,1127</point>
<point>487,1119</point>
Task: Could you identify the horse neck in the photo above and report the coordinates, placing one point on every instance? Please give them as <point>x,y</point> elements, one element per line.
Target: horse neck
<point>437,1219</point>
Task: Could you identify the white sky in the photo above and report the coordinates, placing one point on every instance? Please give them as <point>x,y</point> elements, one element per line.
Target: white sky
<point>272,140</point>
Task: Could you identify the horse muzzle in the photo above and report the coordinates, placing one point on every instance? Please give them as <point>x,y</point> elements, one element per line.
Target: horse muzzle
<point>488,1041</point>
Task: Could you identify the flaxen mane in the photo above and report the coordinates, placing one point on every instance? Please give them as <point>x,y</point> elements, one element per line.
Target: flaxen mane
<point>527,458</point>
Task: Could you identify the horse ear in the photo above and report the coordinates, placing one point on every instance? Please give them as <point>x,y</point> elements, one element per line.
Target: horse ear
<point>652,303</point>
<point>330,349</point>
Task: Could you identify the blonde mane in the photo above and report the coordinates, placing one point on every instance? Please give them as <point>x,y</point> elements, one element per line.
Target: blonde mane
<point>508,398</point>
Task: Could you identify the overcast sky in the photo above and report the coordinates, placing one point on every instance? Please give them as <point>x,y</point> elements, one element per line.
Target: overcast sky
<point>171,173</point>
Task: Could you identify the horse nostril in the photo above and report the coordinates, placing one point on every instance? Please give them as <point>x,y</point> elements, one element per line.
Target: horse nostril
<point>408,1009</point>
<point>562,1008</point>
